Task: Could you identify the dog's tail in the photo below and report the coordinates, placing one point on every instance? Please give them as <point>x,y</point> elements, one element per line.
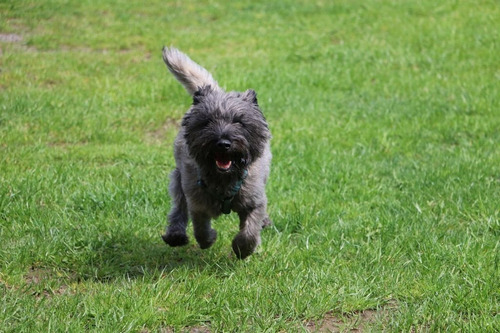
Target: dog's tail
<point>191,75</point>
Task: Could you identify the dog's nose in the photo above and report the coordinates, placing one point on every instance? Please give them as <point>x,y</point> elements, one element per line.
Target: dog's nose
<point>223,144</point>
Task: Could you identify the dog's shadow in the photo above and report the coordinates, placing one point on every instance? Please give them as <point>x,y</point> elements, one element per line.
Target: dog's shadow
<point>132,256</point>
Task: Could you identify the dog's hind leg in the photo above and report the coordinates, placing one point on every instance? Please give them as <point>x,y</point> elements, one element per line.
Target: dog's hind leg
<point>178,216</point>
<point>203,232</point>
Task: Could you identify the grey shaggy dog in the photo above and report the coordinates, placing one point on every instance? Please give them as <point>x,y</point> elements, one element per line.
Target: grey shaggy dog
<point>222,156</point>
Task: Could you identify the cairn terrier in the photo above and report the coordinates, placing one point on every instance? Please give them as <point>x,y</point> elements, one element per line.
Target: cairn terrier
<point>222,156</point>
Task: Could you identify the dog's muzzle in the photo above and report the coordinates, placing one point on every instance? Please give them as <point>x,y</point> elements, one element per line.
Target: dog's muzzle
<point>222,158</point>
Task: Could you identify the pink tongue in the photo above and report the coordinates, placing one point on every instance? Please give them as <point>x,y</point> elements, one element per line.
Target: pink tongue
<point>223,164</point>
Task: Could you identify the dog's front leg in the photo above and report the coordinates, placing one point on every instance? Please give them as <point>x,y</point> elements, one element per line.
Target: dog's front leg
<point>176,230</point>
<point>203,232</point>
<point>247,240</point>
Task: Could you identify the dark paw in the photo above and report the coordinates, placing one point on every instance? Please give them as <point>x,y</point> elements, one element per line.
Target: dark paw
<point>175,239</point>
<point>243,247</point>
<point>266,222</point>
<point>206,241</point>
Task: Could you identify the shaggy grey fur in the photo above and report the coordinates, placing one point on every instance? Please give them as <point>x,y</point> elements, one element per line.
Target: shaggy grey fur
<point>222,156</point>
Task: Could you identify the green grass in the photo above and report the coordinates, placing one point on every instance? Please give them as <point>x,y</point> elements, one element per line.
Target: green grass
<point>385,183</point>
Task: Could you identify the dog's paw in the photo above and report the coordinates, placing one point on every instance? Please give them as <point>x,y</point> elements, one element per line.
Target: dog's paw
<point>207,241</point>
<point>175,238</point>
<point>243,246</point>
<point>266,222</point>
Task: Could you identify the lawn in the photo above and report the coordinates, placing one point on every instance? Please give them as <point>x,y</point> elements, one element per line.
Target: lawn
<point>384,189</point>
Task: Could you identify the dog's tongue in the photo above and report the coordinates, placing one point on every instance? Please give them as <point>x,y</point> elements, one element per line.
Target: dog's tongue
<point>222,162</point>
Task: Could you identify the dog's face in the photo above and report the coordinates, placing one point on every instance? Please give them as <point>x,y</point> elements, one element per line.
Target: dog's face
<point>225,132</point>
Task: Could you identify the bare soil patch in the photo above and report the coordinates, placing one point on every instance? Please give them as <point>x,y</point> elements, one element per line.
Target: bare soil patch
<point>194,329</point>
<point>359,321</point>
<point>158,135</point>
<point>10,38</point>
<point>35,280</point>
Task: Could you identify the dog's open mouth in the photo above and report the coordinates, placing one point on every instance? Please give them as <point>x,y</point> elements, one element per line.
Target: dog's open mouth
<point>223,162</point>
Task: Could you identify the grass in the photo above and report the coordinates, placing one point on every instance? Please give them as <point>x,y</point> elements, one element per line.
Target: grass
<point>385,179</point>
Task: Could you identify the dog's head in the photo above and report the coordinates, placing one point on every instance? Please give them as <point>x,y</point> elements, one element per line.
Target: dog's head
<point>225,132</point>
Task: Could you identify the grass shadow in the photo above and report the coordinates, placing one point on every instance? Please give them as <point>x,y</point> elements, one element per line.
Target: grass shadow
<point>110,257</point>
<point>131,256</point>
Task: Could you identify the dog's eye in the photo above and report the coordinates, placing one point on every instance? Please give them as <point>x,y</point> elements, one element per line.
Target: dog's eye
<point>237,121</point>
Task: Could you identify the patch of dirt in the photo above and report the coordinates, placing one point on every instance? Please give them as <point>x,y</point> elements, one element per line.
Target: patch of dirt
<point>194,329</point>
<point>159,135</point>
<point>35,278</point>
<point>52,142</point>
<point>36,275</point>
<point>358,321</point>
<point>10,38</point>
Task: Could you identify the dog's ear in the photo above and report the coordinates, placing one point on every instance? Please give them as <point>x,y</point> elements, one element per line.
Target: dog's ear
<point>250,96</point>
<point>199,94</point>
<point>186,119</point>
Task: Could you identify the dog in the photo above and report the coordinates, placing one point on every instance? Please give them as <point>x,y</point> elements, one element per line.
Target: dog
<point>223,157</point>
